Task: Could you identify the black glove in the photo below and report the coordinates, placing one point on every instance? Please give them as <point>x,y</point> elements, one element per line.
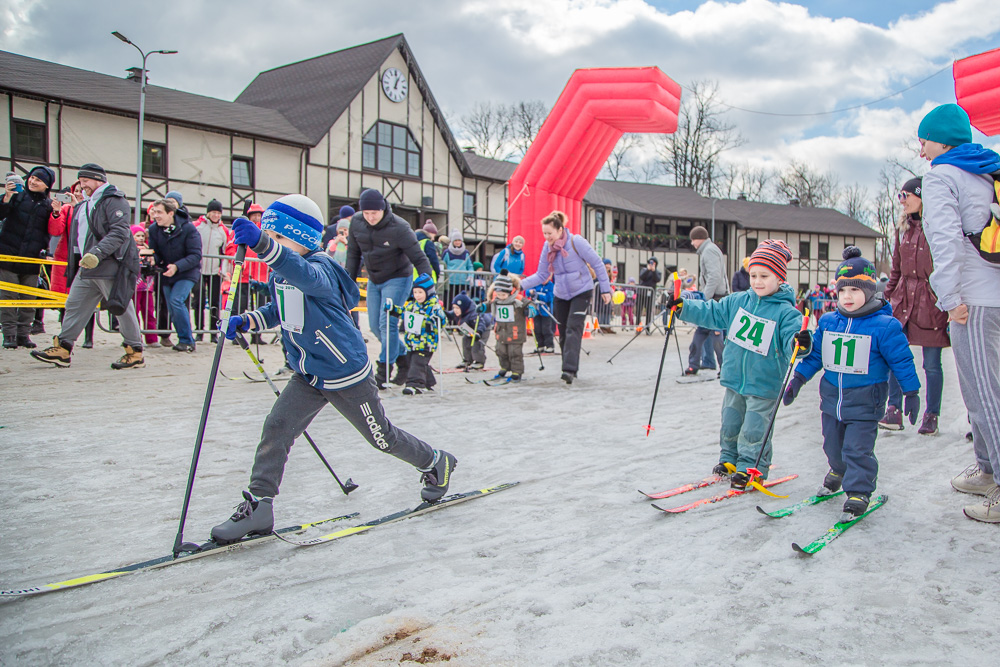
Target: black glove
<point>677,303</point>
<point>792,390</point>
<point>804,340</point>
<point>911,406</point>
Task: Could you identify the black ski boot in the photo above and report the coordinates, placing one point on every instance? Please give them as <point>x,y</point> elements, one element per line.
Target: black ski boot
<point>831,484</point>
<point>252,517</point>
<point>437,477</point>
<point>402,368</point>
<point>855,505</point>
<point>721,469</point>
<point>739,481</point>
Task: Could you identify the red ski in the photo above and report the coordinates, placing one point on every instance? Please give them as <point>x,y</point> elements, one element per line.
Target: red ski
<point>731,493</point>
<point>708,481</point>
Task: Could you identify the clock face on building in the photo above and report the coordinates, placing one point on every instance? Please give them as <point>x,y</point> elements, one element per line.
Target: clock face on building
<point>394,84</point>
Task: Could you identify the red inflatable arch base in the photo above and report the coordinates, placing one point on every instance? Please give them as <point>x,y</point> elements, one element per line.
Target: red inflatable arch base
<point>977,90</point>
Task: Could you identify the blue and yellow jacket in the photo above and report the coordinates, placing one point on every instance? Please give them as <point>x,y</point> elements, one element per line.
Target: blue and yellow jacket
<point>311,298</point>
<point>430,309</point>
<point>746,372</point>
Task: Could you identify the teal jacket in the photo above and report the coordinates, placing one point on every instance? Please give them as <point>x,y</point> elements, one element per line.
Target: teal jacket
<point>746,372</point>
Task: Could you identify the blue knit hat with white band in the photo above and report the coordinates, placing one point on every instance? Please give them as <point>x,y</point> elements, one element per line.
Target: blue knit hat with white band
<point>296,217</point>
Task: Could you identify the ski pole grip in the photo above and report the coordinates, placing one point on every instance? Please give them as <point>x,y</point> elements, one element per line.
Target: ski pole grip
<point>677,285</point>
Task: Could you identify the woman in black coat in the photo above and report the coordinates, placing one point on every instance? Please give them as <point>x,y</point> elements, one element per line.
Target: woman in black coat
<point>25,233</point>
<point>177,251</point>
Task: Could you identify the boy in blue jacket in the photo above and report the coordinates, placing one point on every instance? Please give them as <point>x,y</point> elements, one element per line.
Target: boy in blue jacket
<point>856,345</point>
<point>475,327</point>
<point>763,327</point>
<point>421,317</point>
<point>311,298</point>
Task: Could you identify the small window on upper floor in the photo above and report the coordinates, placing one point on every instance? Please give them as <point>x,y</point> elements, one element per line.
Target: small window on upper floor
<point>242,172</point>
<point>391,148</point>
<point>30,141</point>
<point>154,159</point>
<point>469,204</point>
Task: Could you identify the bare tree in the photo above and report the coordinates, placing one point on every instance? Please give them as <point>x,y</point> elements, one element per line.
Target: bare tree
<point>620,159</point>
<point>691,154</point>
<point>487,127</point>
<point>752,183</point>
<point>885,208</point>
<point>526,120</point>
<point>811,188</point>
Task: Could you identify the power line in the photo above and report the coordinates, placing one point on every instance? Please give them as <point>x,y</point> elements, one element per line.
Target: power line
<point>834,111</point>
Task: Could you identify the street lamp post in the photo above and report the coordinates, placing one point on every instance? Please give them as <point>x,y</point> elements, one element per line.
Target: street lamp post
<point>142,112</point>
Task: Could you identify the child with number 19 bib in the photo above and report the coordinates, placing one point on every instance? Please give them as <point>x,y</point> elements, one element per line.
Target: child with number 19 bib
<point>856,345</point>
<point>511,329</point>
<point>763,327</point>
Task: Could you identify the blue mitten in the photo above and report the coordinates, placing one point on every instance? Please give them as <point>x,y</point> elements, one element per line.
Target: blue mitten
<point>246,233</point>
<point>236,323</point>
<point>794,385</point>
<point>911,406</point>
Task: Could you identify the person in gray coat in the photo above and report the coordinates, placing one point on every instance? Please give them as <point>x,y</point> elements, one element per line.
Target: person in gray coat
<point>101,245</point>
<point>713,284</point>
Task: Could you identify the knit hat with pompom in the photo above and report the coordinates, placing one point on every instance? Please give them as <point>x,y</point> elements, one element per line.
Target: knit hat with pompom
<point>856,271</point>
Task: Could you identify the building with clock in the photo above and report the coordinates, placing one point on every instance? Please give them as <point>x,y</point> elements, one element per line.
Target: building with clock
<point>363,117</point>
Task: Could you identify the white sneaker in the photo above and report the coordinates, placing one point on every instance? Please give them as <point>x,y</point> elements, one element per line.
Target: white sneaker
<point>989,510</point>
<point>973,480</point>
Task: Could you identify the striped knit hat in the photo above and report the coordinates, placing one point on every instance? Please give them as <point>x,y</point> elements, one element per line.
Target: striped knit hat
<point>503,283</point>
<point>856,271</point>
<point>774,256</point>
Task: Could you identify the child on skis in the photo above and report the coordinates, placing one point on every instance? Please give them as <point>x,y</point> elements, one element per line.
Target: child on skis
<point>311,299</point>
<point>475,327</point>
<point>763,327</point>
<point>542,321</point>
<point>421,317</point>
<point>509,314</point>
<point>856,345</point>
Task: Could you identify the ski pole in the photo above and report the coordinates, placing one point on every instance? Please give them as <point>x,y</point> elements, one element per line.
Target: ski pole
<point>754,472</point>
<point>227,308</point>
<point>663,355</point>
<point>680,357</point>
<point>638,330</point>
<point>388,346</point>
<point>241,339</point>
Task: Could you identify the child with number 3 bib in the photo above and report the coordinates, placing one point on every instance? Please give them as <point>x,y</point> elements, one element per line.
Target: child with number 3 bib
<point>763,328</point>
<point>421,317</point>
<point>511,330</point>
<point>856,345</point>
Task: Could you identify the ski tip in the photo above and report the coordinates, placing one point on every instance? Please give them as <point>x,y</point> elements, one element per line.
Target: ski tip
<point>762,510</point>
<point>800,550</point>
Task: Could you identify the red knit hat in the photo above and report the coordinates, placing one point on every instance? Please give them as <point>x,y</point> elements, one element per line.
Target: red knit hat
<point>774,256</point>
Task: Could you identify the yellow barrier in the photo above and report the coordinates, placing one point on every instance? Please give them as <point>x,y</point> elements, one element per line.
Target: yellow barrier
<point>30,260</point>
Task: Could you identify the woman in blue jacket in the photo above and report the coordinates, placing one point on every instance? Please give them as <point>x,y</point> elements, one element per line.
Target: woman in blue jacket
<point>565,260</point>
<point>176,245</point>
<point>510,258</point>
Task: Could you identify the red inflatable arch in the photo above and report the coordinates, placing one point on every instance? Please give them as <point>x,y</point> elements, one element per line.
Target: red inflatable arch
<point>977,90</point>
<point>594,110</point>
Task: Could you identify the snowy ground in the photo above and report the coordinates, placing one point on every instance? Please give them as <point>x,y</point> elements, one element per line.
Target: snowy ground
<point>570,568</point>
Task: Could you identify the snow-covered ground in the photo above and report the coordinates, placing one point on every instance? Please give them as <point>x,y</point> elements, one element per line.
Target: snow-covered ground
<point>572,567</point>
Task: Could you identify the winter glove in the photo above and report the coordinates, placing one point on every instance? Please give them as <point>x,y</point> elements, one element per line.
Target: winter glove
<point>677,303</point>
<point>482,308</point>
<point>236,323</point>
<point>89,261</point>
<point>792,390</point>
<point>245,233</point>
<point>911,406</point>
<point>387,306</point>
<point>804,339</point>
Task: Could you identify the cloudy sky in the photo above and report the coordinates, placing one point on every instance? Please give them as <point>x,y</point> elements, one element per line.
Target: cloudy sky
<point>778,57</point>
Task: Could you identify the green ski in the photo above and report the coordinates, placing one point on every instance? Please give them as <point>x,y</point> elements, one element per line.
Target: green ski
<point>838,529</point>
<point>792,509</point>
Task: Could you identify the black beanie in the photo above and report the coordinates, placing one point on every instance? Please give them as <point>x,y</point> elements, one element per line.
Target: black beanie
<point>215,205</point>
<point>372,200</point>
<point>94,171</point>
<point>913,186</point>
<point>43,174</point>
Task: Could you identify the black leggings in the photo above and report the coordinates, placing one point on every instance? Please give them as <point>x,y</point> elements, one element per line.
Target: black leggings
<point>571,316</point>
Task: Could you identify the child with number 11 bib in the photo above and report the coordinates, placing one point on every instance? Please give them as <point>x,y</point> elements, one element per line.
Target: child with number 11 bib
<point>856,345</point>
<point>763,328</point>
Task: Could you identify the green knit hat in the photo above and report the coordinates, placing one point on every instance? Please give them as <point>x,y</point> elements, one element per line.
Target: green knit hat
<point>947,124</point>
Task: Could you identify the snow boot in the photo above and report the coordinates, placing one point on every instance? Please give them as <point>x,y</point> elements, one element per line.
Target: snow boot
<point>855,505</point>
<point>412,391</point>
<point>971,480</point>
<point>739,481</point>
<point>930,424</point>
<point>721,469</point>
<point>514,377</point>
<point>568,377</point>
<point>10,342</point>
<point>131,359</point>
<point>58,354</point>
<point>252,517</point>
<point>437,476</point>
<point>690,370</point>
<point>37,327</point>
<point>989,510</point>
<point>402,368</point>
<point>831,484</point>
<point>501,374</point>
<point>380,373</point>
<point>25,341</point>
<point>893,420</point>
<point>476,366</point>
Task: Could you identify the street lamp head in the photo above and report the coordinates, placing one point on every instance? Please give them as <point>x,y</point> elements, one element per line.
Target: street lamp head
<point>166,53</point>
<point>121,37</point>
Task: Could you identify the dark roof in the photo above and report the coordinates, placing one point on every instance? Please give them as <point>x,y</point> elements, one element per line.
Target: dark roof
<point>788,218</point>
<point>484,167</point>
<point>663,200</point>
<point>101,91</point>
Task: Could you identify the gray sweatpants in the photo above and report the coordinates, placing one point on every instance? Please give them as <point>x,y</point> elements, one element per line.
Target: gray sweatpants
<point>16,321</point>
<point>976,345</point>
<point>84,295</point>
<point>300,402</point>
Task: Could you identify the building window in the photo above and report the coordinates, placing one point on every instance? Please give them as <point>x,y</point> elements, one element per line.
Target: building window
<point>751,246</point>
<point>391,148</point>
<point>824,250</point>
<point>154,159</point>
<point>804,249</point>
<point>30,141</point>
<point>469,204</point>
<point>599,221</point>
<point>242,172</point>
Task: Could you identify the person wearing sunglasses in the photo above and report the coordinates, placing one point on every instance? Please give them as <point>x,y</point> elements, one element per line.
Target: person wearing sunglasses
<point>913,304</point>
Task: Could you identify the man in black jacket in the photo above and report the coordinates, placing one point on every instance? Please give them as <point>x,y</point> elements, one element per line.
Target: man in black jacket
<point>648,278</point>
<point>101,246</point>
<point>391,251</point>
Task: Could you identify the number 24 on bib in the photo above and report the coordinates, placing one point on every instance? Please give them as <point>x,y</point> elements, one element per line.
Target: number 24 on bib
<point>751,332</point>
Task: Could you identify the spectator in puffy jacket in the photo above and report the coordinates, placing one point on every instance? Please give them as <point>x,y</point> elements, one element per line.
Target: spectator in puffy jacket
<point>458,263</point>
<point>510,258</point>
<point>25,233</point>
<point>177,247</point>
